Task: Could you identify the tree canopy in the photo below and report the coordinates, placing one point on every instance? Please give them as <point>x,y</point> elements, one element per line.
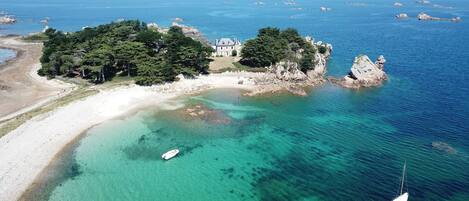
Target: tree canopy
<point>126,48</point>
<point>273,45</point>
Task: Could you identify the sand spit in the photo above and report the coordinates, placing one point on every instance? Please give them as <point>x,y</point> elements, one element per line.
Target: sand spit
<point>21,89</point>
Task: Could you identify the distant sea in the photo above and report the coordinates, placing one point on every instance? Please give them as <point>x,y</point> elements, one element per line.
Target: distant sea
<point>334,144</point>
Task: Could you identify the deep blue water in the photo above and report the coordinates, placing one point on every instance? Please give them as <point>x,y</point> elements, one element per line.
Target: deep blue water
<point>364,136</point>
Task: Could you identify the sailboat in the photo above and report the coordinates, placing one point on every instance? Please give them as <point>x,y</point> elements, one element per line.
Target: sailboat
<point>402,196</point>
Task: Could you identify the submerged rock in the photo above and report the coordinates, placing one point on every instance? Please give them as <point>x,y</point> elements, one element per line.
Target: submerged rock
<point>206,114</point>
<point>363,73</point>
<point>442,146</point>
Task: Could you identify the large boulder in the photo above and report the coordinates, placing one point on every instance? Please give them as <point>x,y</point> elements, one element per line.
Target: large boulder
<point>363,73</point>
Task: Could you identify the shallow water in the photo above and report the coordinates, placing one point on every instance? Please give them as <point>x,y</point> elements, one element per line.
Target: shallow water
<point>335,144</point>
<point>332,145</point>
<point>6,54</point>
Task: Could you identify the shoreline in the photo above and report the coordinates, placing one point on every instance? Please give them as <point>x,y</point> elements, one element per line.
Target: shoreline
<point>20,86</point>
<point>34,145</point>
<point>57,169</point>
<point>6,62</point>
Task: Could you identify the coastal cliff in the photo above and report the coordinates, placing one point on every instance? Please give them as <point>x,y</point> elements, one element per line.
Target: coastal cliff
<point>363,73</point>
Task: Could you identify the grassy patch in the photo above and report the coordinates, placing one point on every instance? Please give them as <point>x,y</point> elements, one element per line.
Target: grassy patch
<point>37,37</point>
<point>11,124</point>
<point>240,67</point>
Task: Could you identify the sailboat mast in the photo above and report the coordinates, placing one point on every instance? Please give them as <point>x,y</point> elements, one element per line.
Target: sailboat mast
<point>403,177</point>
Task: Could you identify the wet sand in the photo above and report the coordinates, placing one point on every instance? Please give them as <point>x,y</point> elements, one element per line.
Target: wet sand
<point>21,89</point>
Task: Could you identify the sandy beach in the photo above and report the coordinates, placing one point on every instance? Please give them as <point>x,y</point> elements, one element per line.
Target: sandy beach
<point>27,150</point>
<point>21,89</point>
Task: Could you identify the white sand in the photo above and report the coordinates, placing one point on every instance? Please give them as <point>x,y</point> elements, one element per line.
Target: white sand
<point>26,151</point>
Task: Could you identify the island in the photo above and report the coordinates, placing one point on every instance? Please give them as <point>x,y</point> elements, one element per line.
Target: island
<point>425,17</point>
<point>105,66</point>
<point>152,55</point>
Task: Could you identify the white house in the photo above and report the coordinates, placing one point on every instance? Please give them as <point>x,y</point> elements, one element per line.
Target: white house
<point>226,47</point>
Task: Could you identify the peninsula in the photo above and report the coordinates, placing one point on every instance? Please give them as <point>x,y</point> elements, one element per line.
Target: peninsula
<point>99,58</point>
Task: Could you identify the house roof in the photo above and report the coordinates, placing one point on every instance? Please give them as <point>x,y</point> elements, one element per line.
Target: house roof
<point>225,42</point>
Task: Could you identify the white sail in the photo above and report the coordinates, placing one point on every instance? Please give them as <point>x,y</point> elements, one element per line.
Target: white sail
<point>402,196</point>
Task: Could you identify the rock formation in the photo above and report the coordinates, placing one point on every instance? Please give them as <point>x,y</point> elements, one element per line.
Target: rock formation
<point>6,19</point>
<point>423,2</point>
<point>288,71</point>
<point>287,75</point>
<point>363,73</point>
<point>402,16</point>
<point>380,62</point>
<point>423,16</point>
<point>188,31</point>
<point>324,9</point>
<point>456,19</point>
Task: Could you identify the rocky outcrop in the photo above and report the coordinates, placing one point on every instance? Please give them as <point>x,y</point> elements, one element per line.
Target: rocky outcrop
<point>287,75</point>
<point>188,31</point>
<point>380,62</point>
<point>363,73</point>
<point>455,19</point>
<point>324,9</point>
<point>291,71</point>
<point>6,19</point>
<point>425,17</point>
<point>288,71</point>
<point>402,16</point>
<point>423,2</point>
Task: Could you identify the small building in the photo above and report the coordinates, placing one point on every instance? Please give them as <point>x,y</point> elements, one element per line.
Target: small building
<point>226,47</point>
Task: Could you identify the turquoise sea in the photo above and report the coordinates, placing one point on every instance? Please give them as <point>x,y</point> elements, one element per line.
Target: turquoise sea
<point>334,144</point>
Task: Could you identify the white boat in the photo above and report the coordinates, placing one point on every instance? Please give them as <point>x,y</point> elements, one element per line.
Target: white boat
<point>402,196</point>
<point>170,154</point>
